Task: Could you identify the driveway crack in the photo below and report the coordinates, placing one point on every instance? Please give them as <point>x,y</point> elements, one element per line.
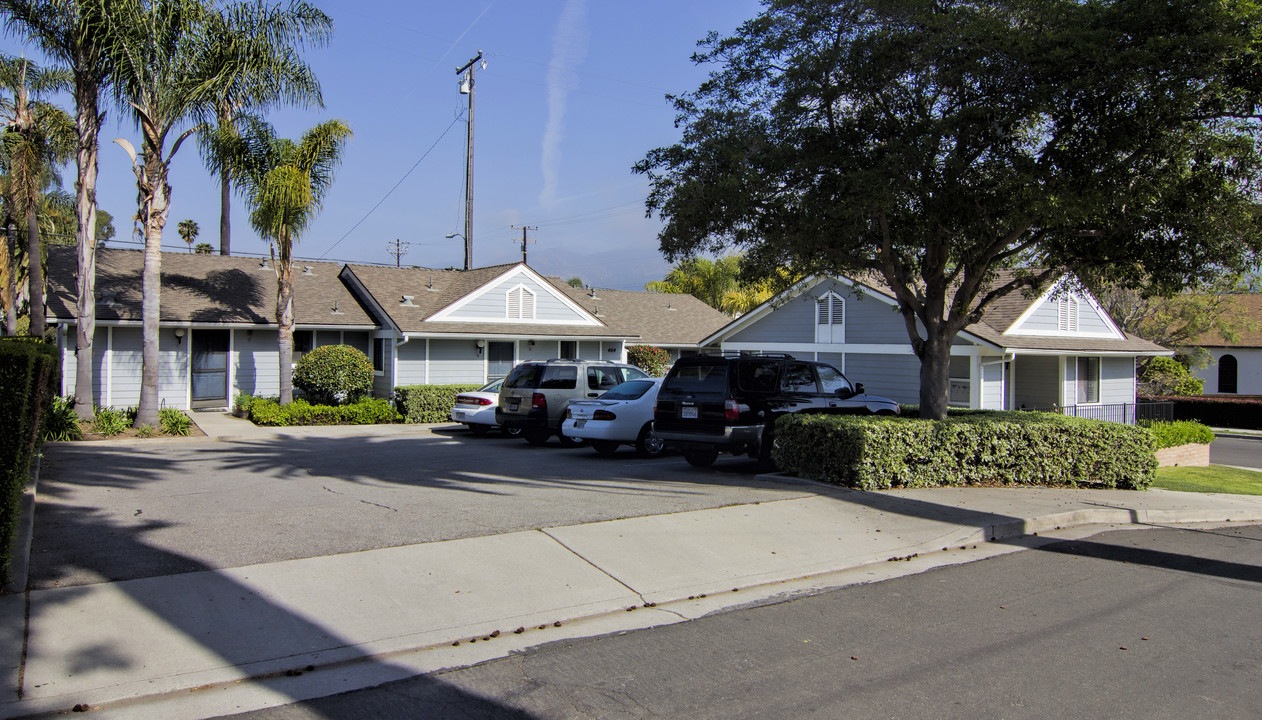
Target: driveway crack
<point>643,600</point>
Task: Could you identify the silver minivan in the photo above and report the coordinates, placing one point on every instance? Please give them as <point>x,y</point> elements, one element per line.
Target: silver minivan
<point>536,393</point>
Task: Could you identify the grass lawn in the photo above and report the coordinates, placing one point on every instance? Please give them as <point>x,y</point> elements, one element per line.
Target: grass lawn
<point>1212,479</point>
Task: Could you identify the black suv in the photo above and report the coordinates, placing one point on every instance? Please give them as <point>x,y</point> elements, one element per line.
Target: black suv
<point>723,403</point>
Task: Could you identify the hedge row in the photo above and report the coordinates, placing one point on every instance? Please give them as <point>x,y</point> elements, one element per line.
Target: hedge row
<point>1225,412</point>
<point>269,413</point>
<point>428,403</point>
<point>1018,448</point>
<point>1179,432</point>
<point>28,370</point>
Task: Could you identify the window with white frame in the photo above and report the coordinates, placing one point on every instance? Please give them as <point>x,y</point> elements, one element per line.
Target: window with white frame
<point>1067,314</point>
<point>1088,380</point>
<point>830,318</point>
<point>521,304</point>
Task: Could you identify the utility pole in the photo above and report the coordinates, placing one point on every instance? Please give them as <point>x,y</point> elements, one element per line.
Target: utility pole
<point>466,88</point>
<point>524,239</point>
<point>398,248</point>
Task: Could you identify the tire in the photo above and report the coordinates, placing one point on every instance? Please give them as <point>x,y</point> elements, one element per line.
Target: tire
<point>569,442</point>
<point>480,430</point>
<point>511,432</point>
<point>701,458</point>
<point>537,436</point>
<point>648,444</point>
<point>766,462</point>
<point>605,447</point>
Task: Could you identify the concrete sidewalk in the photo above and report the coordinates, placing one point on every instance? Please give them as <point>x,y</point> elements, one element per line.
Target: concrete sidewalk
<point>212,643</point>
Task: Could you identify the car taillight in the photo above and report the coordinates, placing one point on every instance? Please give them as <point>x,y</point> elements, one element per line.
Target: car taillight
<point>603,415</point>
<point>730,410</point>
<point>470,400</point>
<point>538,402</point>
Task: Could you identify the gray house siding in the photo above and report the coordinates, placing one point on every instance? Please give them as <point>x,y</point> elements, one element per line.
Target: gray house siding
<point>125,362</point>
<point>1117,380</point>
<point>493,304</point>
<point>992,385</point>
<point>1090,321</point>
<point>453,362</point>
<point>1045,318</point>
<point>383,385</point>
<point>256,362</point>
<point>893,376</point>
<point>793,322</point>
<point>411,362</point>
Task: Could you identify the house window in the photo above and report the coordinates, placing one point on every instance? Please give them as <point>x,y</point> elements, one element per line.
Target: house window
<point>1067,314</point>
<point>569,349</point>
<point>521,304</point>
<point>1088,380</point>
<point>830,318</point>
<point>379,356</point>
<point>1227,374</point>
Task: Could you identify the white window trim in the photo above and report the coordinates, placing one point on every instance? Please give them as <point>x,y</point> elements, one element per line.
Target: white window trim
<point>508,302</point>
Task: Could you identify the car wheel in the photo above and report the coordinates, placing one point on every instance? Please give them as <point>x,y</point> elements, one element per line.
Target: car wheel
<point>605,447</point>
<point>766,461</point>
<point>480,430</point>
<point>648,444</point>
<point>537,436</point>
<point>510,431</point>
<point>569,442</point>
<point>701,458</point>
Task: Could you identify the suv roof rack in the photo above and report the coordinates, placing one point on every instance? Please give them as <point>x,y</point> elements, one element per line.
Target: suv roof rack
<point>745,353</point>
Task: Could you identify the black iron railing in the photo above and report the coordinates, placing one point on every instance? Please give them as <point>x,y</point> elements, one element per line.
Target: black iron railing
<point>1128,413</point>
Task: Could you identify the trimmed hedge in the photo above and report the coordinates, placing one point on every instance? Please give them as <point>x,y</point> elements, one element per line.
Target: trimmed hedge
<point>269,413</point>
<point>1179,432</point>
<point>1224,412</point>
<point>334,374</point>
<point>428,403</point>
<point>1012,448</point>
<point>28,371</point>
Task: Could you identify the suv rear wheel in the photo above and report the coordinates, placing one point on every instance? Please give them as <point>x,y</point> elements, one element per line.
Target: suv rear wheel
<point>536,436</point>
<point>701,458</point>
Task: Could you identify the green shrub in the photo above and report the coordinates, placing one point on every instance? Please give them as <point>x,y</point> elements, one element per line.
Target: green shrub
<point>62,422</point>
<point>146,431</point>
<point>241,404</point>
<point>110,422</point>
<point>653,360</point>
<point>1179,432</point>
<point>428,403</point>
<point>29,369</point>
<point>1013,448</point>
<point>268,412</point>
<point>174,422</point>
<point>1167,376</point>
<point>333,375</point>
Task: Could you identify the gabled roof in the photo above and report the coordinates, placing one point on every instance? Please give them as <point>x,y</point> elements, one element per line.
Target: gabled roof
<point>658,318</point>
<point>1250,306</point>
<point>998,319</point>
<point>209,289</point>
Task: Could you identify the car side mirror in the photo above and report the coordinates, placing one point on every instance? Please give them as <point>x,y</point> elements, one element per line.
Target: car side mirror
<point>858,388</point>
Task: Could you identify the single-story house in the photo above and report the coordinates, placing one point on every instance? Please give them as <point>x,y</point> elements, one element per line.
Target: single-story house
<point>418,326</point>
<point>1235,367</point>
<point>1057,350</point>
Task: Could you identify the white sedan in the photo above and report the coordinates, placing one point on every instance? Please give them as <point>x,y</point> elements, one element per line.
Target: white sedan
<point>477,409</point>
<point>622,416</point>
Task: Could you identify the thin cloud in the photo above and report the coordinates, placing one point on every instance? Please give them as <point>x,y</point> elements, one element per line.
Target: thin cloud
<point>569,48</point>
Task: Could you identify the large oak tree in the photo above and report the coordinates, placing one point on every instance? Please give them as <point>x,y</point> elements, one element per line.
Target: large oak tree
<point>930,143</point>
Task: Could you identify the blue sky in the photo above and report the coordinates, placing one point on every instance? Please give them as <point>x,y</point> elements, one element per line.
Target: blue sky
<point>572,95</point>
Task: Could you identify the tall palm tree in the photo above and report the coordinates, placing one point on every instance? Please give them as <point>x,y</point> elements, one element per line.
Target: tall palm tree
<point>277,75</point>
<point>285,183</point>
<point>705,279</point>
<point>37,136</point>
<point>73,32</point>
<point>188,230</point>
<point>169,66</point>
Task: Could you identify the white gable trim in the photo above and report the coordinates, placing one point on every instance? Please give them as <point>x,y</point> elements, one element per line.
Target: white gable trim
<point>1115,333</point>
<point>451,312</point>
<point>378,312</point>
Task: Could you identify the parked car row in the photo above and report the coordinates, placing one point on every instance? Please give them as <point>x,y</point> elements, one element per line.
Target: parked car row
<point>706,404</point>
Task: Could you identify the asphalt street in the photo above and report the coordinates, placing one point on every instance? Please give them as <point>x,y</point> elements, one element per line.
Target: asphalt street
<point>1151,623</point>
<point>1237,451</point>
<point>150,508</point>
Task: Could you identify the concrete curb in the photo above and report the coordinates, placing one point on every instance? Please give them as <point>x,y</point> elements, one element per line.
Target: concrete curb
<point>444,653</point>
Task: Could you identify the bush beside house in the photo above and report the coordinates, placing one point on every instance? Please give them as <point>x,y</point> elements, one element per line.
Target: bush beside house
<point>428,403</point>
<point>651,359</point>
<point>334,374</point>
<point>995,449</point>
<point>28,371</point>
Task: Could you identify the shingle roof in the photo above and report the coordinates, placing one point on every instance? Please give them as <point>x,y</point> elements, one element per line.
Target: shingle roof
<point>657,318</point>
<point>430,290</point>
<point>1249,305</point>
<point>203,289</point>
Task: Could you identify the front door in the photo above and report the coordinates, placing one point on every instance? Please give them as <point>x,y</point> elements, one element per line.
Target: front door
<point>499,357</point>
<point>210,368</point>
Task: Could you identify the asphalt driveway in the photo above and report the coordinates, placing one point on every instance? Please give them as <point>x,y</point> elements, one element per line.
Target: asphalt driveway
<point>114,511</point>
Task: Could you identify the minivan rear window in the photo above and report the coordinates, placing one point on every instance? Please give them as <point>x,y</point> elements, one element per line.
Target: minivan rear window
<point>524,375</point>
<point>699,378</point>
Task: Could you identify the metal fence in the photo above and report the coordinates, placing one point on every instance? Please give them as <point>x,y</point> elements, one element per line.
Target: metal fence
<point>1128,413</point>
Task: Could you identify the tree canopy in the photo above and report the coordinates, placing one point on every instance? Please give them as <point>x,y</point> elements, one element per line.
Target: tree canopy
<point>930,144</point>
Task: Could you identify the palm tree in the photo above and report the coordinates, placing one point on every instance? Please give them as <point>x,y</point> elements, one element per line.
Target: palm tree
<point>276,75</point>
<point>188,230</point>
<point>705,279</point>
<point>37,136</point>
<point>73,32</point>
<point>285,183</point>
<point>170,63</point>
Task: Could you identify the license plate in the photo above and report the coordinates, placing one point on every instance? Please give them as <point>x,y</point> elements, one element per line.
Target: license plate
<point>512,407</point>
<point>688,413</point>
<point>579,423</point>
<point>458,415</point>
